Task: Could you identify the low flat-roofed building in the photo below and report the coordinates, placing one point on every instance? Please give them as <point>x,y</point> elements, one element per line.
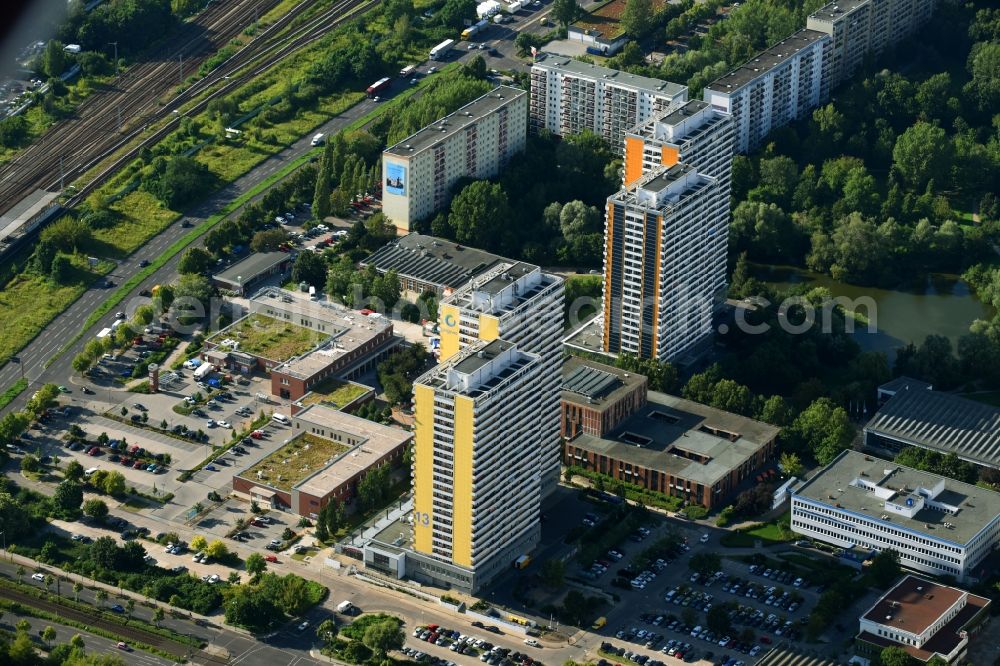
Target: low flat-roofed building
<point>328,454</point>
<point>937,525</point>
<point>596,397</point>
<point>894,386</point>
<point>307,342</point>
<point>924,619</point>
<point>915,415</point>
<point>246,275</point>
<point>426,263</point>
<point>667,444</point>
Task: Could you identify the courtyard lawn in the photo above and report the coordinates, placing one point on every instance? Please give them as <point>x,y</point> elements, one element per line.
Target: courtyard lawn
<point>270,338</point>
<point>334,392</point>
<point>295,461</point>
<point>768,533</point>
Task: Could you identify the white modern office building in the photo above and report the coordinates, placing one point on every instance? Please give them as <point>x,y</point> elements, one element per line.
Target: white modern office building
<point>937,525</point>
<point>475,142</point>
<point>569,96</point>
<point>476,464</point>
<point>521,304</point>
<point>665,244</point>
<point>777,86</point>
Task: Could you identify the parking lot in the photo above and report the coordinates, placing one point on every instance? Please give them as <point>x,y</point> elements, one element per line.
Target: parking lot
<point>667,608</point>
<point>659,599</point>
<point>428,644</point>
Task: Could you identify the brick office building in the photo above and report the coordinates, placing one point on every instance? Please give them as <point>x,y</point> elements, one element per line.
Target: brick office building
<point>339,342</point>
<point>329,453</point>
<point>677,447</point>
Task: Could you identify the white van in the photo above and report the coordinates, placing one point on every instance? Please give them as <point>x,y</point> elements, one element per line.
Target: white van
<point>318,139</point>
<point>90,472</point>
<point>280,418</point>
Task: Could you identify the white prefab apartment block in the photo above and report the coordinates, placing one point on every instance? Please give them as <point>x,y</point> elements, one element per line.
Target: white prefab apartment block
<point>860,28</point>
<point>569,96</point>
<point>937,525</point>
<point>518,303</point>
<point>665,238</point>
<point>476,462</point>
<point>779,85</point>
<point>475,142</point>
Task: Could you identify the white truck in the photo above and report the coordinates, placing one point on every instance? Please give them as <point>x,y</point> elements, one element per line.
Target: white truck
<point>442,49</point>
<point>318,139</point>
<point>345,607</point>
<point>203,370</point>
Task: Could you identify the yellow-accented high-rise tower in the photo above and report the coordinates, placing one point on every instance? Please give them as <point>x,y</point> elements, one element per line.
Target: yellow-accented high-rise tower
<point>477,461</point>
<point>521,304</point>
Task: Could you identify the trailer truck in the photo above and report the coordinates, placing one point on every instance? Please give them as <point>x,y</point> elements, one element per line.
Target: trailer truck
<point>379,86</point>
<point>442,49</point>
<point>407,71</point>
<point>522,562</point>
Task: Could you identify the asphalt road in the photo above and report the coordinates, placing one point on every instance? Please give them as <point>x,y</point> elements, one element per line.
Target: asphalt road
<point>34,356</point>
<point>54,336</point>
<point>291,650</point>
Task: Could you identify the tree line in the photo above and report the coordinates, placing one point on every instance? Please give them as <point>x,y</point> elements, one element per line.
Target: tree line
<point>882,183</point>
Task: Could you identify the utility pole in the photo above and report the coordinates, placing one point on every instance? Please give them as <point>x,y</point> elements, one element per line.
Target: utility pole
<point>115,44</point>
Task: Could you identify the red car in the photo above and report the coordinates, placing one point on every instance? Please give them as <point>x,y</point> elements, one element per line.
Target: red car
<point>271,558</point>
<point>93,451</point>
<point>257,434</point>
<point>765,639</point>
<point>126,462</point>
<point>138,464</point>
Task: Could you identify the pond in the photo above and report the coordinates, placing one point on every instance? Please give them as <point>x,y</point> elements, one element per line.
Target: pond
<point>938,304</point>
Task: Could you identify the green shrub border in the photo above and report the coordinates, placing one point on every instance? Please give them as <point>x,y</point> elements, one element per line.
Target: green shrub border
<point>15,389</point>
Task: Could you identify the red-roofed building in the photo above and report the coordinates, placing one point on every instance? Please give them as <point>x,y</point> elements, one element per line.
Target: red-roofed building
<point>923,618</point>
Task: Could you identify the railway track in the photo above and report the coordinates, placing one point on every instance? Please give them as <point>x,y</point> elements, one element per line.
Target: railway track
<point>124,631</point>
<point>252,61</point>
<point>129,98</point>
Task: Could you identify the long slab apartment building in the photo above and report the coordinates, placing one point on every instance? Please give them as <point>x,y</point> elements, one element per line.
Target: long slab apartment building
<point>475,141</point>
<point>788,80</point>
<point>569,96</point>
<point>937,525</point>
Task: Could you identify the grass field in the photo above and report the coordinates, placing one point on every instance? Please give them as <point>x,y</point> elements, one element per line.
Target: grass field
<point>27,305</point>
<point>143,216</point>
<point>230,160</point>
<point>15,390</point>
<point>270,338</point>
<point>768,533</point>
<point>334,392</point>
<point>293,462</point>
